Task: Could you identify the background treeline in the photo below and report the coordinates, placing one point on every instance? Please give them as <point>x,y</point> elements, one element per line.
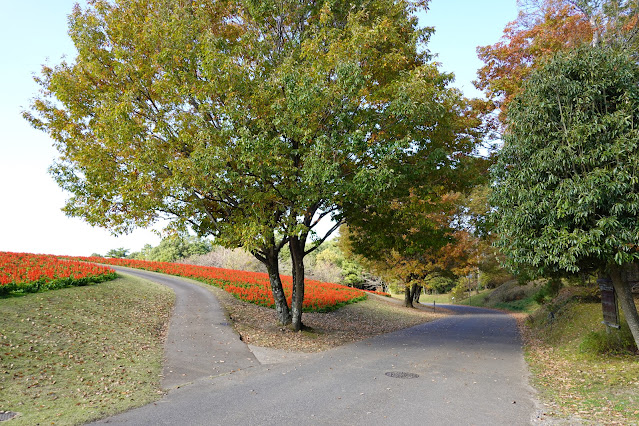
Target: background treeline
<point>333,262</point>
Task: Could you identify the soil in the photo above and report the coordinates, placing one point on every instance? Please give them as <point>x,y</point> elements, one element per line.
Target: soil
<point>258,326</point>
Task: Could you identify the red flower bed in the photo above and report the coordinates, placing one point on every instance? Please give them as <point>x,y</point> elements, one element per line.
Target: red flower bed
<point>252,287</point>
<point>27,273</point>
<point>381,293</point>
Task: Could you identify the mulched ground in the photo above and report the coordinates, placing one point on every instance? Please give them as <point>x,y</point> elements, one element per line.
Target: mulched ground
<point>376,315</point>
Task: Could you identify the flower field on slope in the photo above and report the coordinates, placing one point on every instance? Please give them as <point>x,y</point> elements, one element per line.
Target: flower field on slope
<point>251,287</point>
<point>29,273</point>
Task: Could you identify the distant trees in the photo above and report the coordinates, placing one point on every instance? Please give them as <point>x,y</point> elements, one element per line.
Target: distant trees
<point>118,252</point>
<point>425,242</point>
<point>174,248</point>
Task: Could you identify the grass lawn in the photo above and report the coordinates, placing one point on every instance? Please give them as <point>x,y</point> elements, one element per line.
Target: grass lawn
<point>73,355</point>
<point>475,299</point>
<point>428,299</point>
<point>574,382</point>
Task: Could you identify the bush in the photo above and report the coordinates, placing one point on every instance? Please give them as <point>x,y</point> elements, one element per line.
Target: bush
<point>616,342</point>
<point>460,290</point>
<point>548,291</point>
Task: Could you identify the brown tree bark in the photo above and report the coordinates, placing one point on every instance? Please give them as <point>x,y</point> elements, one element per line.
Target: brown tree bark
<point>619,277</point>
<point>408,298</point>
<point>281,305</point>
<point>297,247</point>
<point>409,293</point>
<point>417,292</point>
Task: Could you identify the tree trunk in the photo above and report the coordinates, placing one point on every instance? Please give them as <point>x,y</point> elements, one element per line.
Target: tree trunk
<point>619,277</point>
<point>296,246</point>
<point>417,292</point>
<point>281,305</point>
<point>409,294</point>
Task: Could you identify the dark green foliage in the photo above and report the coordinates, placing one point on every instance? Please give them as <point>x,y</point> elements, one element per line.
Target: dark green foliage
<point>548,291</point>
<point>566,190</point>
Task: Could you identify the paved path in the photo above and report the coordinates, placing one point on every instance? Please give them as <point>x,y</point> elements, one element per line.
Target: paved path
<point>200,342</point>
<point>461,370</point>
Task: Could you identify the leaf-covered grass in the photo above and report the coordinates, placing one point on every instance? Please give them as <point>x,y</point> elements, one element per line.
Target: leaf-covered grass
<point>574,380</point>
<point>81,353</point>
<point>353,322</point>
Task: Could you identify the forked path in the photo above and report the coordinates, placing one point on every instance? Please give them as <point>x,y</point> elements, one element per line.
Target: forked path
<point>461,370</point>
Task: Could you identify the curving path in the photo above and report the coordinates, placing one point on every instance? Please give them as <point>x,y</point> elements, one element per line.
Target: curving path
<point>200,342</point>
<point>463,369</point>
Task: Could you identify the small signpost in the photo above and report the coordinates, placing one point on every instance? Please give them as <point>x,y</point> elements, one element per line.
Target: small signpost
<point>609,303</point>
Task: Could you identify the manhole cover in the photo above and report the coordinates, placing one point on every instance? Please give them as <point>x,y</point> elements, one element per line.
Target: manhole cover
<point>402,375</point>
<point>7,415</point>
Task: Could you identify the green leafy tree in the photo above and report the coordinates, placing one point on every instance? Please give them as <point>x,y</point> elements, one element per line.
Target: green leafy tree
<point>247,120</point>
<point>175,248</point>
<point>566,189</point>
<point>118,252</point>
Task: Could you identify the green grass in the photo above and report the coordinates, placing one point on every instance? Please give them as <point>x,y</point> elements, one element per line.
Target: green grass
<point>578,383</point>
<point>475,299</point>
<point>437,298</point>
<point>73,355</point>
<point>526,305</point>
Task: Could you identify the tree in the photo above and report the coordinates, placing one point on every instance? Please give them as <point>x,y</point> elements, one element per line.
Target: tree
<point>247,120</point>
<point>566,192</point>
<point>118,252</point>
<point>174,248</point>
<point>421,242</point>
<point>538,33</point>
<point>543,28</point>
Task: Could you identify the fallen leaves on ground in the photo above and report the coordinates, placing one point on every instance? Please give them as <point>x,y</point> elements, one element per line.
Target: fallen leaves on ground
<point>374,316</point>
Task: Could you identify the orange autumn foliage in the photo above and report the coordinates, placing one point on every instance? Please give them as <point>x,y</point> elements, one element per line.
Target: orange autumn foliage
<point>527,42</point>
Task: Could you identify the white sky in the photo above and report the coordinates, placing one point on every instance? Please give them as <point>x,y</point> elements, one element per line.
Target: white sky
<point>34,32</point>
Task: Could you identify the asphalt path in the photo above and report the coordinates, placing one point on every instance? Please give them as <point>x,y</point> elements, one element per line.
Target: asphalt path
<point>200,341</point>
<point>465,369</point>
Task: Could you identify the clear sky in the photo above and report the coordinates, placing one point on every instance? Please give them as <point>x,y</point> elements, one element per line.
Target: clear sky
<point>34,32</point>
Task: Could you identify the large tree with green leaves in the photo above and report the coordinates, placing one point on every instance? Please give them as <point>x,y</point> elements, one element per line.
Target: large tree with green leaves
<point>566,189</point>
<point>247,120</point>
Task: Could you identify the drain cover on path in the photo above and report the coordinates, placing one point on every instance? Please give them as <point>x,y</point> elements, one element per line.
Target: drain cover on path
<point>7,415</point>
<point>402,375</point>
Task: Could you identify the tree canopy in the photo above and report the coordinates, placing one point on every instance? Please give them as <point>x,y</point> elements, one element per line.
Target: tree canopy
<point>543,28</point>
<point>247,120</point>
<point>566,187</point>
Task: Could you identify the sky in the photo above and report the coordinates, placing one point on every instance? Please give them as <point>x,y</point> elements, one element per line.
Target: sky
<point>34,32</point>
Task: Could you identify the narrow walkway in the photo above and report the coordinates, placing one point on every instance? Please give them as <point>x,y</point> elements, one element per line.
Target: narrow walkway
<point>200,342</point>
